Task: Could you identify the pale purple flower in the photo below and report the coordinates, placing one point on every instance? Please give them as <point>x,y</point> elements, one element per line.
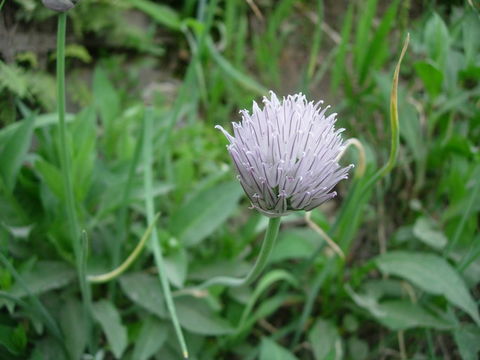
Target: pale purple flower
<point>286,154</point>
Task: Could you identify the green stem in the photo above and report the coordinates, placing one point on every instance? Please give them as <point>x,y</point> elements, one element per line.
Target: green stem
<point>157,251</point>
<point>102,278</point>
<point>66,166</point>
<point>265,251</point>
<point>64,158</point>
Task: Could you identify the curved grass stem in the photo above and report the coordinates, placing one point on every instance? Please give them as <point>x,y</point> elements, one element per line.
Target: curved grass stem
<point>394,124</point>
<point>157,251</point>
<point>102,278</point>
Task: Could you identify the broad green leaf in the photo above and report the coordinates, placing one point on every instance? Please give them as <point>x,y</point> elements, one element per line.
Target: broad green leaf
<point>437,39</point>
<point>402,315</point>
<point>13,151</point>
<point>431,76</point>
<point>51,176</point>
<point>427,231</point>
<point>270,350</point>
<point>195,316</point>
<point>205,212</point>
<point>325,340</point>
<point>432,274</point>
<point>144,290</point>
<point>152,337</point>
<point>397,314</point>
<point>45,276</point>
<point>295,243</point>
<point>109,318</point>
<point>72,321</point>
<point>467,338</point>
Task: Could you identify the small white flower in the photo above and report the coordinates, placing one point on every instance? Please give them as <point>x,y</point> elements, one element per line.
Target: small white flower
<point>286,154</point>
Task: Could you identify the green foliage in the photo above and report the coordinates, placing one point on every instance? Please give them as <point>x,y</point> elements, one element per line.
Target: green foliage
<point>109,318</point>
<point>270,350</point>
<point>411,239</point>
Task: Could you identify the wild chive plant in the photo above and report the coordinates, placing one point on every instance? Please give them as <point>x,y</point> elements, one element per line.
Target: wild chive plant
<point>328,315</point>
<point>286,157</point>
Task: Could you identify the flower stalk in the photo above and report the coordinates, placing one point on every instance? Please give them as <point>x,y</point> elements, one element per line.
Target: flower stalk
<point>66,168</point>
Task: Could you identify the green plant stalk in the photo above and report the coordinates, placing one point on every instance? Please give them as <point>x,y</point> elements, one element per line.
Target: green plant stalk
<point>265,251</point>
<point>157,251</point>
<point>66,166</point>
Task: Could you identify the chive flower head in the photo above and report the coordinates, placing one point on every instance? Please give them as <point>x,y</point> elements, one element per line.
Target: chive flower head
<point>286,154</point>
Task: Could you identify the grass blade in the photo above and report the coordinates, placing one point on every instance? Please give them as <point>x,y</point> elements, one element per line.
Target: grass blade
<point>157,251</point>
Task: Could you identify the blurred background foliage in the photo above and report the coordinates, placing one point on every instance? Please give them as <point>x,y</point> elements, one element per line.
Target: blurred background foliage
<point>409,285</point>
